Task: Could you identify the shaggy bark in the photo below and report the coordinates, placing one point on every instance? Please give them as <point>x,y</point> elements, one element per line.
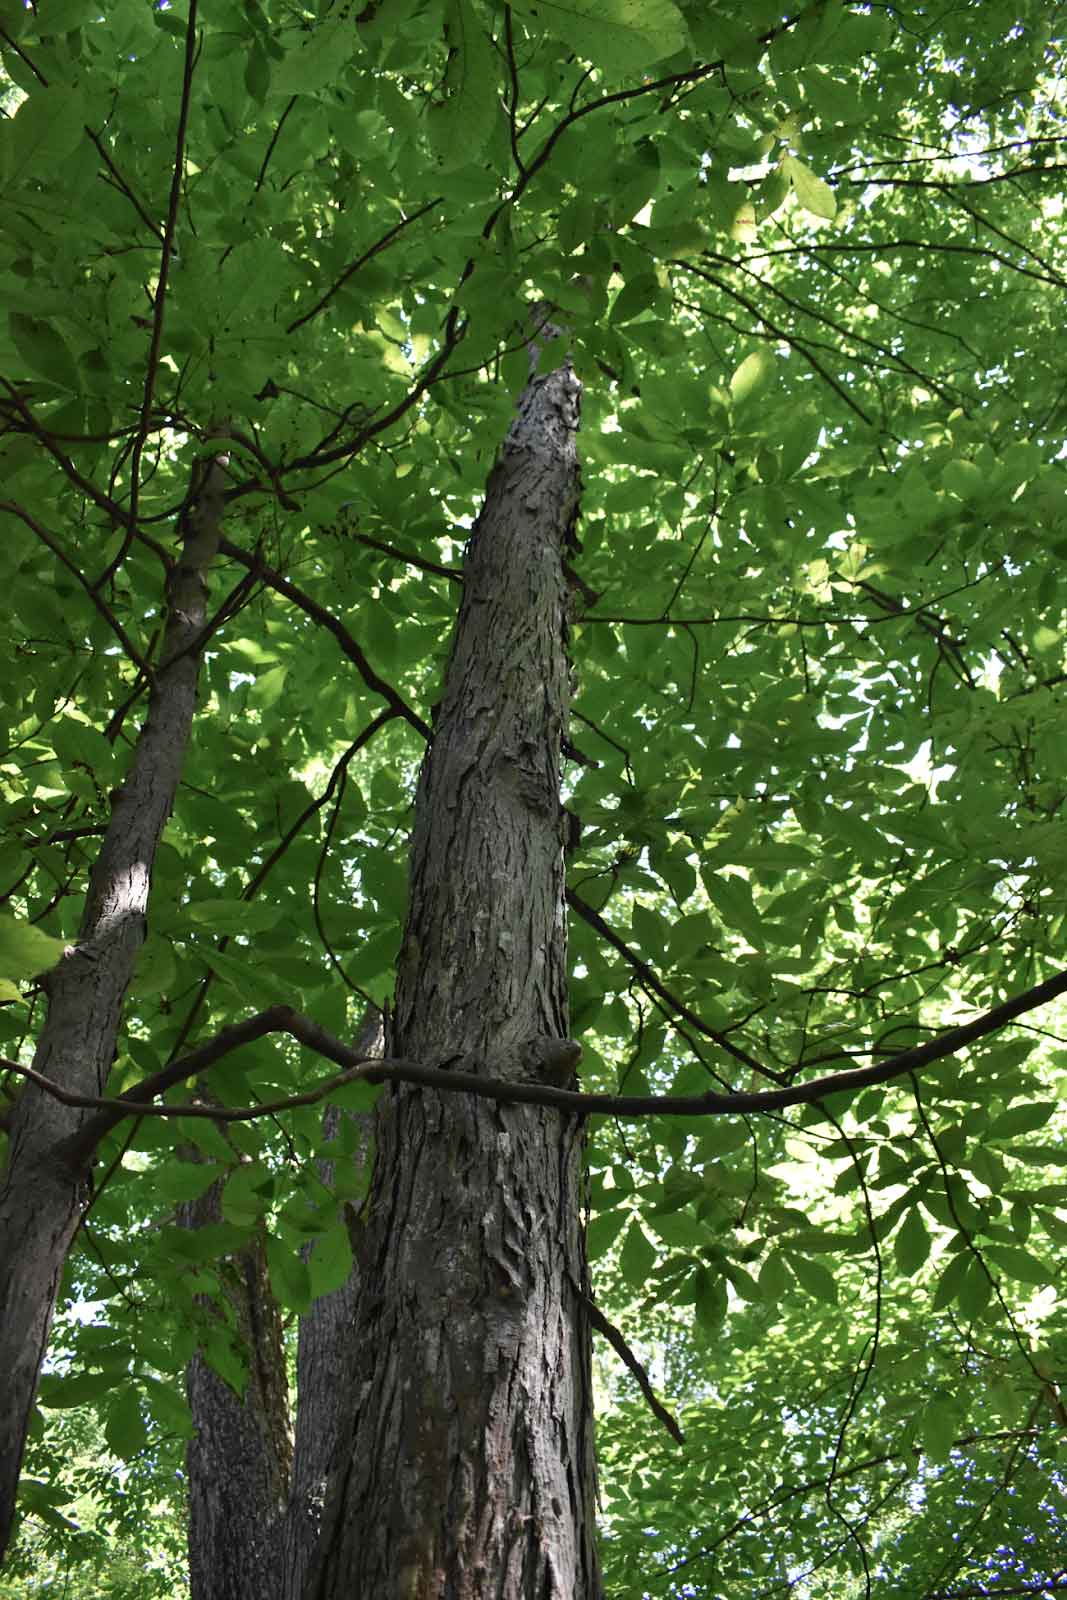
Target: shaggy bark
<point>255,1500</point>
<point>321,1368</point>
<point>42,1195</point>
<point>465,1468</point>
<point>239,1459</point>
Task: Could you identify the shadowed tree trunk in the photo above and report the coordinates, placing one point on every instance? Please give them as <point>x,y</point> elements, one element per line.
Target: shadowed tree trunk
<point>42,1195</point>
<point>322,1369</point>
<point>239,1459</point>
<point>466,1464</point>
<point>255,1493</point>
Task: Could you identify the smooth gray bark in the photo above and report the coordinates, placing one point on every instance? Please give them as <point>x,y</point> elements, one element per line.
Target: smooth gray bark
<point>41,1194</point>
<point>466,1466</point>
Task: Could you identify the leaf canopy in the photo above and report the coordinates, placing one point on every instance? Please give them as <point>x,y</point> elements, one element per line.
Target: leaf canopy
<point>811,268</point>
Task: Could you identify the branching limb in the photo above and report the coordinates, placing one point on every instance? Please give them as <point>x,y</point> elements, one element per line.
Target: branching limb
<point>275,580</point>
<point>610,1332</point>
<point>72,567</point>
<point>554,1058</point>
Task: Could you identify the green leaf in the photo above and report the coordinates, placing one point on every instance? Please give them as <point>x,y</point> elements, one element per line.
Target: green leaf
<point>249,976</point>
<point>638,1255</point>
<point>289,1276</point>
<point>710,1298</point>
<point>318,59</point>
<point>268,687</point>
<point>603,1230</point>
<point>1021,1119</point>
<point>732,898</point>
<point>248,1194</point>
<point>257,73</point>
<point>40,1500</point>
<point>1020,1264</point>
<point>965,479</point>
<point>753,376</point>
<point>975,1291</point>
<point>47,128</point>
<point>185,1180</point>
<point>814,1277</point>
<point>235,916</point>
<point>124,1426</point>
<point>43,350</point>
<point>812,193</point>
<point>225,1358</point>
<point>25,950</point>
<point>168,1406</point>
<point>951,1280</point>
<point>637,295</point>
<point>621,35</point>
<point>912,1243</point>
<point>460,126</point>
<point>359,1095</point>
<point>330,1262</point>
<point>774,1277</point>
<point>937,1429</point>
<point>61,1393</point>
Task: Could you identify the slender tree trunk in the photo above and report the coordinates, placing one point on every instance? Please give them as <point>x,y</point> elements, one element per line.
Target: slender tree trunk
<point>255,1501</point>
<point>466,1469</point>
<point>42,1195</point>
<point>322,1370</point>
<point>239,1459</point>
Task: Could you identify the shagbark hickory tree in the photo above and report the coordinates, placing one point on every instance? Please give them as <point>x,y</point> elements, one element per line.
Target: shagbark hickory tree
<point>326,711</point>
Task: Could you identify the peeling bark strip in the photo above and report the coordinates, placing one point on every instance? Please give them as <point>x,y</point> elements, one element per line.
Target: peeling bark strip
<point>466,1469</point>
<point>41,1197</point>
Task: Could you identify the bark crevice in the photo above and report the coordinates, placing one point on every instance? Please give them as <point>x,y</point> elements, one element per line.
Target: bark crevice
<point>470,1422</point>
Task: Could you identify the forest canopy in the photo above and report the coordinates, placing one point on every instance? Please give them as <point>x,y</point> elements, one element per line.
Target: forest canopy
<point>286,261</point>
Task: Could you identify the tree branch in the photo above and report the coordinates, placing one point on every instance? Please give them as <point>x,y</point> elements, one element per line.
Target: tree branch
<point>552,1056</point>
<point>72,567</point>
<point>274,580</point>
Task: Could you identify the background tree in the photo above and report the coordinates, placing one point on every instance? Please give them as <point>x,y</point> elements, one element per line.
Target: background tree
<point>268,272</point>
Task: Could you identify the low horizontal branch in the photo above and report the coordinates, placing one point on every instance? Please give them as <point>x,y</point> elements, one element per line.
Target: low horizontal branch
<point>139,1101</point>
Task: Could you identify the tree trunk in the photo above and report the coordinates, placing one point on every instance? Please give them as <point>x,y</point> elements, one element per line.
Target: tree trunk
<point>255,1500</point>
<point>322,1369</point>
<point>466,1467</point>
<point>239,1458</point>
<point>42,1195</point>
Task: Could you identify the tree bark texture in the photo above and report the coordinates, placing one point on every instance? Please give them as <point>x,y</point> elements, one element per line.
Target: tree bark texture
<point>466,1467</point>
<point>239,1459</point>
<point>42,1195</point>
<point>255,1500</point>
<point>321,1367</point>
